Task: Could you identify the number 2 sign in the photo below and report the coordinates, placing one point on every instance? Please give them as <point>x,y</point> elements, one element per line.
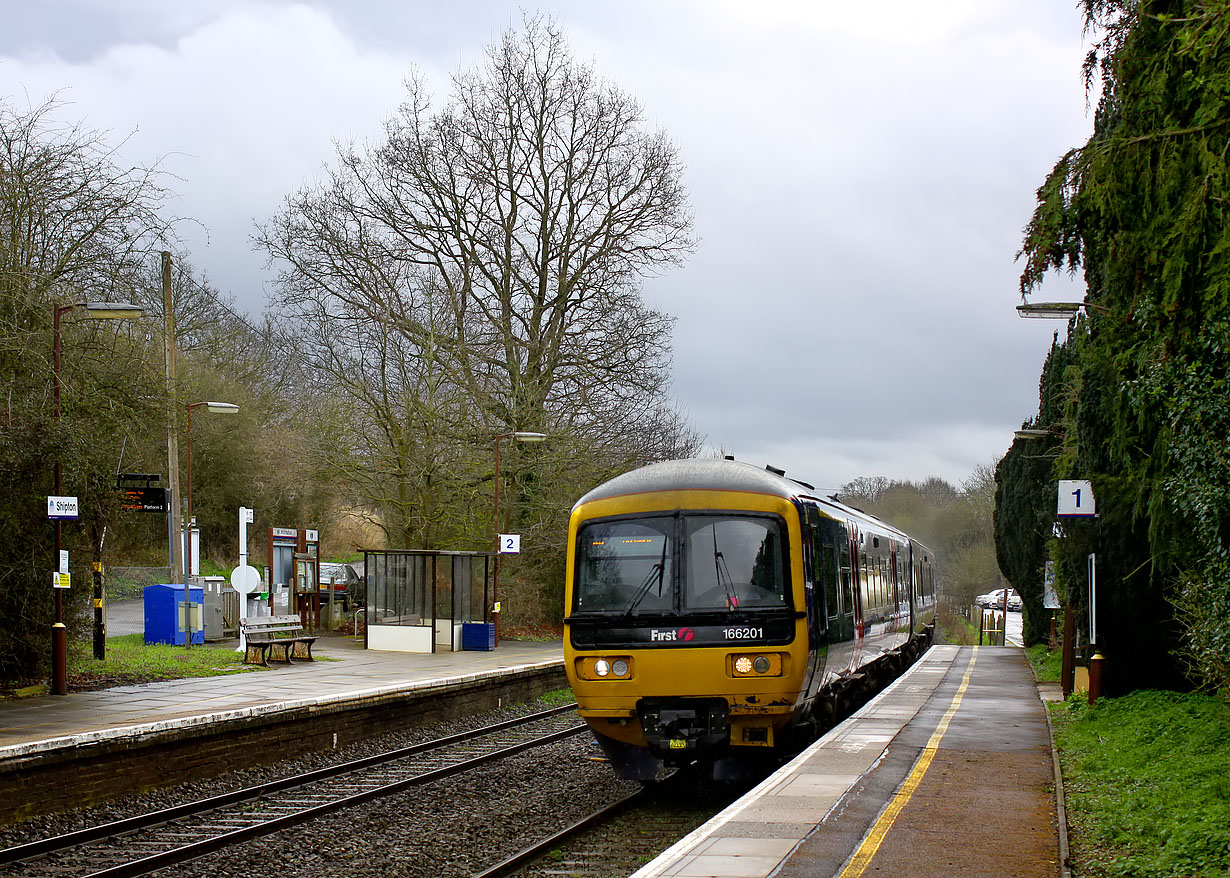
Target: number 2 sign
<point>510,544</point>
<point>1076,498</point>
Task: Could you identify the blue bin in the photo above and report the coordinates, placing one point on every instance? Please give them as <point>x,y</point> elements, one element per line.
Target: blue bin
<point>162,613</point>
<point>478,635</point>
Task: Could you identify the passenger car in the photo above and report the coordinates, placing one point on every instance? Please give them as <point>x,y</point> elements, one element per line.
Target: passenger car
<point>344,580</point>
<point>994,600</point>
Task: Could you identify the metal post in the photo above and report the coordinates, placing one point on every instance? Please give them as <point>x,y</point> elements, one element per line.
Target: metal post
<point>1068,673</point>
<point>495,574</point>
<point>59,634</point>
<point>176,524</point>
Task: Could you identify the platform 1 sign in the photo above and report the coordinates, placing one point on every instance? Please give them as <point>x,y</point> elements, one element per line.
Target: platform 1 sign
<point>64,508</point>
<point>1076,499</point>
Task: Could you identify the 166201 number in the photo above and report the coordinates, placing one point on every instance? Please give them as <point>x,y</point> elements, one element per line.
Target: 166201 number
<point>743,633</point>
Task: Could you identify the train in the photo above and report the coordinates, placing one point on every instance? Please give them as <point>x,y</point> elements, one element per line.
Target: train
<point>719,614</point>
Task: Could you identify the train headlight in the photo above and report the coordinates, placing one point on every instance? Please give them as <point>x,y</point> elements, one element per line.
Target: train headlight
<point>767,664</point>
<point>606,668</point>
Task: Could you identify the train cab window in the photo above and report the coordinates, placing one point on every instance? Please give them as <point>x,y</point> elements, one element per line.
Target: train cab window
<point>733,562</point>
<point>625,566</point>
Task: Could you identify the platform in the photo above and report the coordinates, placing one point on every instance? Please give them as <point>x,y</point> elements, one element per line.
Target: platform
<point>59,752</point>
<point>947,772</point>
<point>47,722</point>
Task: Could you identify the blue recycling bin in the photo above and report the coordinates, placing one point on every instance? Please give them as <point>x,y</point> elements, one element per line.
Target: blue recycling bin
<point>477,635</point>
<point>162,613</point>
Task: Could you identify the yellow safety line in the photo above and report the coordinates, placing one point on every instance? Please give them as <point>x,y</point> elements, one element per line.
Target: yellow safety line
<point>871,844</point>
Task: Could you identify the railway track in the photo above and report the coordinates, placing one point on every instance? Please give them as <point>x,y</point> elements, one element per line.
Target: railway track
<point>620,838</point>
<point>143,844</point>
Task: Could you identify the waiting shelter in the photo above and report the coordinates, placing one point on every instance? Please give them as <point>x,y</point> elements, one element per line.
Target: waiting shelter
<point>419,600</point>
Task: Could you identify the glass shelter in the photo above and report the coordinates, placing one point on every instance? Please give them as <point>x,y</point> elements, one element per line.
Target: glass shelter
<point>418,600</point>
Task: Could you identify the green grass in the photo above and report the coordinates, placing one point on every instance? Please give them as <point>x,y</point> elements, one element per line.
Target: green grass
<point>955,628</point>
<point>129,660</point>
<point>558,697</point>
<point>1147,784</point>
<point>1047,665</point>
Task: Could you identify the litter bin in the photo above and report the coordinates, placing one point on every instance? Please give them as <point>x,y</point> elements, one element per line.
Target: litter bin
<point>162,613</point>
<point>477,635</point>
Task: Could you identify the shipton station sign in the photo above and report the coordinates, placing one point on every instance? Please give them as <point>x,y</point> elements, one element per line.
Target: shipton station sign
<point>64,508</point>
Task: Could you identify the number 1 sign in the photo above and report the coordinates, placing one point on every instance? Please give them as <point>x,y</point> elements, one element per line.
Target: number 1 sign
<point>1076,498</point>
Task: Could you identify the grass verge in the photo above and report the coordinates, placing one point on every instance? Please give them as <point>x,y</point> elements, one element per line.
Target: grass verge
<point>955,628</point>
<point>129,660</point>
<point>1048,664</point>
<point>1147,784</point>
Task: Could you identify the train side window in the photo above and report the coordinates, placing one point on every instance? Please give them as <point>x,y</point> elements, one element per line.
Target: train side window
<point>828,576</point>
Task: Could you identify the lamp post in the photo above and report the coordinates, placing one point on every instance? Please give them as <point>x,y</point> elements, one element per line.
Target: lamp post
<point>217,408</point>
<point>95,311</point>
<point>185,542</point>
<point>516,436</point>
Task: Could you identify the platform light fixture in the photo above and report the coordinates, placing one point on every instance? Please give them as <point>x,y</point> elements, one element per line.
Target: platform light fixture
<point>92,311</point>
<point>515,436</point>
<point>218,408</point>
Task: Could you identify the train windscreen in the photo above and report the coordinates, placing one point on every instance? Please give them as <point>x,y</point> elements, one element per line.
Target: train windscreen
<point>690,562</point>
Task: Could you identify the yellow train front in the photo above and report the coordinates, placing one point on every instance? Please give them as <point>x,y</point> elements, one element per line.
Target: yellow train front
<point>686,629</point>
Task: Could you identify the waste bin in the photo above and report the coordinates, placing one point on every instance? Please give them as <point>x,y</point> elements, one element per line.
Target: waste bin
<point>478,635</point>
<point>162,613</point>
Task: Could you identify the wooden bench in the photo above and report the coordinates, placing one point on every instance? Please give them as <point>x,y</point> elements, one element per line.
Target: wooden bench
<point>279,638</point>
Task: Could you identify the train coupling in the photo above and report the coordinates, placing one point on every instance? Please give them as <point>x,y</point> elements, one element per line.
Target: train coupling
<point>678,728</point>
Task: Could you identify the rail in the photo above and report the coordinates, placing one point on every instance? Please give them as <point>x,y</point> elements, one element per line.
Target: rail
<point>105,851</point>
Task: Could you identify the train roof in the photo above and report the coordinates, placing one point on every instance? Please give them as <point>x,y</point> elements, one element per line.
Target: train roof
<point>723,474</point>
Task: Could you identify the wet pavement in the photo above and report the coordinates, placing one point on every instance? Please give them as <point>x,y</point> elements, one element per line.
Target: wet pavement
<point>947,773</point>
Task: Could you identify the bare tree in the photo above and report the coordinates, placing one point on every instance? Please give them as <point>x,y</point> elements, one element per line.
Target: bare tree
<point>478,271</point>
<point>74,227</point>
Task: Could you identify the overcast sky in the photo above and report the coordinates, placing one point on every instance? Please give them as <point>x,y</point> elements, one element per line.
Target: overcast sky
<point>859,173</point>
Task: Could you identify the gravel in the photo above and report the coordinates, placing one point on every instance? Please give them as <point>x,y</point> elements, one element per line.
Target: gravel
<point>453,827</point>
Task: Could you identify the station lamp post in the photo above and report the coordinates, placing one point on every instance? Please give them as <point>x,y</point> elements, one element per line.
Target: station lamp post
<point>93,311</point>
<point>217,408</point>
<point>516,436</point>
<point>1063,311</point>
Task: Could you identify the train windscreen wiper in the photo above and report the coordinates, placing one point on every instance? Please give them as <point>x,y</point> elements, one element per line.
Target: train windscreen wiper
<point>657,571</point>
<point>722,572</point>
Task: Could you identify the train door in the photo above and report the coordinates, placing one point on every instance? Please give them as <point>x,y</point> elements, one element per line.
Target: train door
<point>894,585</point>
<point>855,589</point>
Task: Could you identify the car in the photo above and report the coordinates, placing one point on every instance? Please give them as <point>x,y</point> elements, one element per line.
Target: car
<point>994,600</point>
<point>345,581</point>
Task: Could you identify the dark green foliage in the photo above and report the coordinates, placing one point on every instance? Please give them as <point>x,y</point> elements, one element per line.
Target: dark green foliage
<point>1142,209</point>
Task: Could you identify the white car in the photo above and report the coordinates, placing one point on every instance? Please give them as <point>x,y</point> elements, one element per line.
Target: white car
<point>994,600</point>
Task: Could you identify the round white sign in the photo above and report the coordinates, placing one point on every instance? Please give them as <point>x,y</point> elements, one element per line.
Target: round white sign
<point>246,579</point>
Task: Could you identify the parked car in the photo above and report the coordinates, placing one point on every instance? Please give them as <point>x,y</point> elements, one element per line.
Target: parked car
<point>994,600</point>
<point>345,581</point>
